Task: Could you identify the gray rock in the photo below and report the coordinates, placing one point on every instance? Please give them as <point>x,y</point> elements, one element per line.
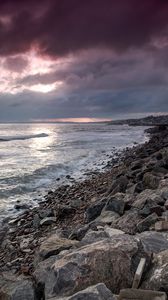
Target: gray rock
<point>148,196</point>
<point>128,222</point>
<point>154,242</point>
<point>16,289</point>
<point>112,261</point>
<point>54,245</point>
<point>94,236</point>
<point>107,217</point>
<point>119,185</point>
<point>44,213</point>
<point>157,277</point>
<point>21,206</point>
<point>96,292</point>
<point>146,223</point>
<point>115,203</point>
<point>94,210</point>
<point>150,181</point>
<point>36,221</point>
<point>47,221</point>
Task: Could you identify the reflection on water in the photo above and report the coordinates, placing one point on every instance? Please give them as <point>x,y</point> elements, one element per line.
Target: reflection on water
<point>29,167</point>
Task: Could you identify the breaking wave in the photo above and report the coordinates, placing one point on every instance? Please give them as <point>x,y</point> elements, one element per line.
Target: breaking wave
<point>22,137</point>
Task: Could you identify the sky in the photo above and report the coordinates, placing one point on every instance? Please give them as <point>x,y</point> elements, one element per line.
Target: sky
<point>83,60</point>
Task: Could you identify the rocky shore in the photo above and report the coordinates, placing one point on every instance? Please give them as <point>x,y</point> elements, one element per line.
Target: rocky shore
<point>86,240</point>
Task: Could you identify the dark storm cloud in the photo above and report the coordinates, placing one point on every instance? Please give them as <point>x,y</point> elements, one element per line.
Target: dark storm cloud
<point>58,27</point>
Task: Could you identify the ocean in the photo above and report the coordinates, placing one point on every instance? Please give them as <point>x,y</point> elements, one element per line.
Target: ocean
<point>35,158</point>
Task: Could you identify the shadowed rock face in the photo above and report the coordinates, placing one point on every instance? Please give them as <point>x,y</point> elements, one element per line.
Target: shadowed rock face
<point>96,292</point>
<point>112,261</point>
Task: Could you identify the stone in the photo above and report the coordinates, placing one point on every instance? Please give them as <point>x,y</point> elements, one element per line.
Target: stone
<point>147,222</point>
<point>16,289</point>
<point>79,233</point>
<point>134,294</point>
<point>157,277</point>
<point>161,226</point>
<point>96,292</point>
<point>64,210</point>
<point>150,181</point>
<point>148,196</point>
<point>47,221</point>
<point>94,236</point>
<point>119,185</point>
<point>128,222</point>
<point>94,210</point>
<point>107,217</point>
<point>44,213</point>
<point>21,206</point>
<point>112,261</point>
<point>3,231</point>
<point>54,245</point>
<point>139,273</point>
<point>36,221</point>
<point>112,231</point>
<point>115,203</point>
<point>154,242</point>
<point>166,204</point>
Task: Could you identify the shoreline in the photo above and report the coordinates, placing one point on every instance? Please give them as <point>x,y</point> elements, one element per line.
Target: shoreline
<point>71,212</point>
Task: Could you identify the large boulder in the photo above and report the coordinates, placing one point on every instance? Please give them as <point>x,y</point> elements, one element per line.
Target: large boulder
<point>112,261</point>
<point>153,241</point>
<point>95,292</point>
<point>16,289</point>
<point>53,246</point>
<point>157,277</point>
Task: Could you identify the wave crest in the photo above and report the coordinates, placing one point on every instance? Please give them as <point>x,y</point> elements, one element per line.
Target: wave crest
<point>22,137</point>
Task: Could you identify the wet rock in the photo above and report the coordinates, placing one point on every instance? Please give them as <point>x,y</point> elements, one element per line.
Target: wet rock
<point>16,289</point>
<point>107,217</point>
<point>115,203</point>
<point>94,210</point>
<point>154,242</point>
<point>157,277</point>
<point>147,222</point>
<point>150,181</point>
<point>112,261</point>
<point>47,221</point>
<point>96,292</point>
<point>54,245</point>
<point>21,206</point>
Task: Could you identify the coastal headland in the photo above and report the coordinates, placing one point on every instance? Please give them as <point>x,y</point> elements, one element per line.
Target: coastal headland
<point>86,240</point>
